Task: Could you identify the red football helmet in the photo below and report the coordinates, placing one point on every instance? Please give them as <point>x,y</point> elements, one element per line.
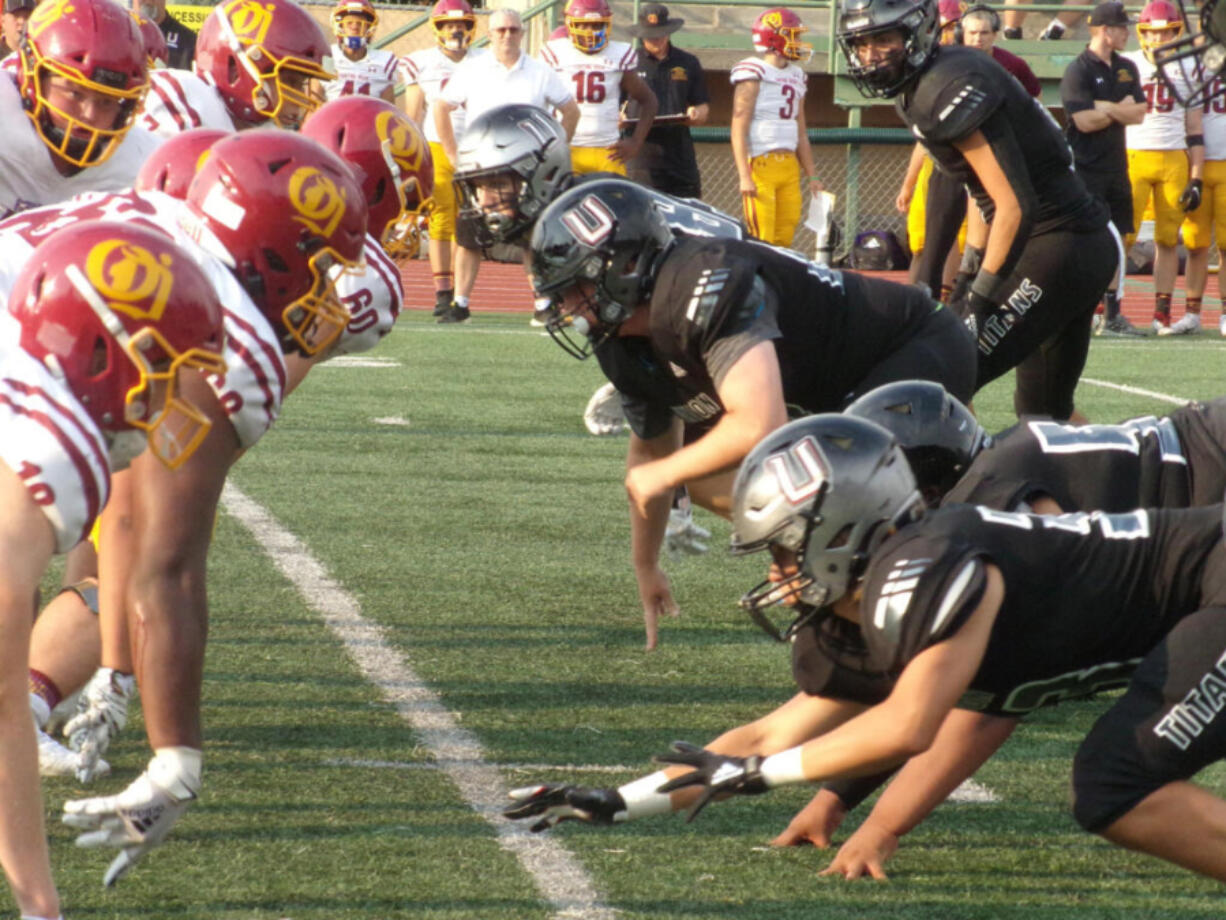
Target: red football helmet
<point>779,30</point>
<point>448,12</point>
<point>391,158</point>
<point>262,56</point>
<point>282,212</point>
<point>363,9</point>
<point>156,53</point>
<point>96,47</point>
<point>173,165</point>
<point>116,310</point>
<point>587,24</point>
<point>1157,17</point>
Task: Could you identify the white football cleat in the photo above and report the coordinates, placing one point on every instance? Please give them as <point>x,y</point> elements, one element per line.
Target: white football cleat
<point>1188,324</point>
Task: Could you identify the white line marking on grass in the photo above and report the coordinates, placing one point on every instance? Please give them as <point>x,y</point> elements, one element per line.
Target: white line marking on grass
<point>1136,391</point>
<point>559,877</point>
<point>528,767</point>
<point>360,361</point>
<point>393,420</point>
<point>973,793</point>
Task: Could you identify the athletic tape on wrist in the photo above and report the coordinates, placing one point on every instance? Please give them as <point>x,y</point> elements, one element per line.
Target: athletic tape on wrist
<point>642,799</point>
<point>783,769</point>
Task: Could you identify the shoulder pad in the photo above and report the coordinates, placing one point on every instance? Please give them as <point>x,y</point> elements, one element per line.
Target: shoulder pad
<point>748,69</point>
<point>957,95</point>
<point>697,286</point>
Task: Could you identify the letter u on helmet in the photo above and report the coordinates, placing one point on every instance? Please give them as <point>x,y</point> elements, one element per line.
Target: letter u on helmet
<point>391,159</point>
<point>262,56</point>
<point>779,30</point>
<point>287,216</point>
<point>117,310</point>
<point>96,46</point>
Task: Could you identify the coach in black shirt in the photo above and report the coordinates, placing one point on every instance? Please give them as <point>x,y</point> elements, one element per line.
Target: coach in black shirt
<point>1101,93</point>
<point>667,160</point>
<point>180,40</point>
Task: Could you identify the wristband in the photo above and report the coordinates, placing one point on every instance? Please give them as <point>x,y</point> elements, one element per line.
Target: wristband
<point>813,179</point>
<point>783,769</point>
<point>1195,140</point>
<point>642,799</point>
<point>986,285</point>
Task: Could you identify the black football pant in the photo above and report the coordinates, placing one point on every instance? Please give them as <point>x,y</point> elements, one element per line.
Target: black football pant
<point>1040,323</point>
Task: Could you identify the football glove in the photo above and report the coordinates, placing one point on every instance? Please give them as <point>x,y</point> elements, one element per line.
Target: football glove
<point>720,775</point>
<point>137,819</point>
<point>604,415</point>
<point>102,712</point>
<point>683,537</point>
<point>1189,198</point>
<point>555,802</point>
<point>56,760</point>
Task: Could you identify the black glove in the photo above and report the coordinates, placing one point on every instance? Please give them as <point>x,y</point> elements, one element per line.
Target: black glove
<point>721,774</point>
<point>972,259</point>
<point>554,802</point>
<point>1192,193</point>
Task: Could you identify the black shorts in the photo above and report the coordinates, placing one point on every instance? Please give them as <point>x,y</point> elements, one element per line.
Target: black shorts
<point>941,350</point>
<point>1041,323</point>
<point>1202,433</point>
<point>1167,727</point>
<point>1115,192</point>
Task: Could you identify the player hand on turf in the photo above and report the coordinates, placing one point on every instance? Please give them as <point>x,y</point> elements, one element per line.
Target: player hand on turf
<point>815,823</point>
<point>719,774</point>
<point>656,596</point>
<point>683,537</point>
<point>137,819</point>
<point>604,414</point>
<point>554,802</point>
<point>864,854</point>
<point>1190,197</point>
<point>102,712</point>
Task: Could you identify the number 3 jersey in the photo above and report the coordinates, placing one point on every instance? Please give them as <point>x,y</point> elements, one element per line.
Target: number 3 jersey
<point>1164,126</point>
<point>596,80</point>
<point>1085,595</point>
<point>781,93</point>
<point>1171,462</point>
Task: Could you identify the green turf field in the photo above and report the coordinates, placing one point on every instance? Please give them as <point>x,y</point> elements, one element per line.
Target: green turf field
<point>453,493</point>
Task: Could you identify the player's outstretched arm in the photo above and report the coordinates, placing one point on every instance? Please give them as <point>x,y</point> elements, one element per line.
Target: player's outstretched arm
<point>647,529</point>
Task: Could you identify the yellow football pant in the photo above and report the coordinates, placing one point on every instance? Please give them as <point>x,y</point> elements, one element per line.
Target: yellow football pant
<point>1210,217</point>
<point>442,218</point>
<point>773,213</point>
<point>585,160</point>
<point>1158,176</point>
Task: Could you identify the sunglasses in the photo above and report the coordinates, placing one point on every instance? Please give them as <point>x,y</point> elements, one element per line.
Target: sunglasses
<point>506,29</point>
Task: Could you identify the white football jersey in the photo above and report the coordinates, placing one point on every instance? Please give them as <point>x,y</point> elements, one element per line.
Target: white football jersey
<point>370,76</point>
<point>373,298</point>
<point>1164,126</point>
<point>179,100</point>
<point>48,439</point>
<point>781,93</point>
<point>28,177</point>
<point>254,382</point>
<point>431,69</point>
<point>1214,115</point>
<point>596,81</point>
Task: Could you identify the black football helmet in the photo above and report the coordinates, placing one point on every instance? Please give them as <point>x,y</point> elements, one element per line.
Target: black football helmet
<point>915,20</point>
<point>938,434</point>
<point>1199,53</point>
<point>608,235</point>
<point>828,488</point>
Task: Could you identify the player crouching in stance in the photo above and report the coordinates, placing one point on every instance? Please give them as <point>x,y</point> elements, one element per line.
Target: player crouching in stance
<point>107,317</point>
<point>902,611</point>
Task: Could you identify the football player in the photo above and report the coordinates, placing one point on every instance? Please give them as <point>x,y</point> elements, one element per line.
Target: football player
<point>253,65</point>
<point>603,72</point>
<point>1033,282</point>
<point>425,73</point>
<point>1166,159</point>
<point>157,55</point>
<point>285,229</point>
<point>722,335</point>
<point>360,69</point>
<point>770,141</point>
<point>69,115</point>
<point>1208,219</point>
<point>1017,609</point>
<point>105,318</point>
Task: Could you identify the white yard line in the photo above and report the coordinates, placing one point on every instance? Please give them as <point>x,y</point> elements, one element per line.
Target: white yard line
<point>1136,391</point>
<point>559,877</point>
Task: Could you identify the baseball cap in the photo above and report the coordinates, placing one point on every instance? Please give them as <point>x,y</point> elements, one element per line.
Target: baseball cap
<point>1110,14</point>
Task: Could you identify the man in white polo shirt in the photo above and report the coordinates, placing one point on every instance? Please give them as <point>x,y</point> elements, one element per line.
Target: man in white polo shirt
<point>504,76</point>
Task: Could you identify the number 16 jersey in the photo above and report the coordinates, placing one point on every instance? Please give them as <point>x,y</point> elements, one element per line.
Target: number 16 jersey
<point>596,81</point>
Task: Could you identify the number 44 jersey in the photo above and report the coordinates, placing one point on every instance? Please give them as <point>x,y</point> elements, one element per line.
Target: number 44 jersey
<point>1085,595</point>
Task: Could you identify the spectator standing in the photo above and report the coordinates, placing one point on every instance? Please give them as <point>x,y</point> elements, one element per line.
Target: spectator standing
<point>770,141</point>
<point>1210,217</point>
<point>425,74</point>
<point>13,23</point>
<point>180,40</point>
<point>1101,93</point>
<point>666,161</point>
<point>504,76</point>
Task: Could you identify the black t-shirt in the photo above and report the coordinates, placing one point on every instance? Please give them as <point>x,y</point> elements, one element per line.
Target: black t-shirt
<point>1090,79</point>
<point>678,83</point>
<point>715,299</point>
<point>180,42</point>
<point>963,91</point>
<point>1085,595</point>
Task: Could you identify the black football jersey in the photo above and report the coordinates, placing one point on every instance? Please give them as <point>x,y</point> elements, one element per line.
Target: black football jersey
<point>1142,463</point>
<point>965,90</point>
<point>1085,595</point>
